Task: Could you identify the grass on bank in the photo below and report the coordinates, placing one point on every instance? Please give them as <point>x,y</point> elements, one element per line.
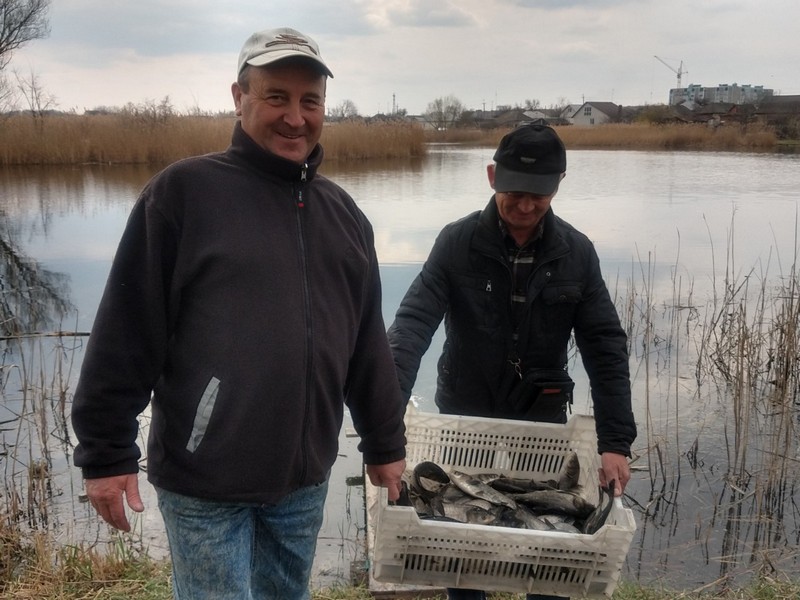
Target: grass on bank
<point>32,569</point>
<point>152,137</point>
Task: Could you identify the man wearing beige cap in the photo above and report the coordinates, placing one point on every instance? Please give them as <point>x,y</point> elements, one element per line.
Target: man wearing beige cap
<point>243,306</point>
<point>513,283</point>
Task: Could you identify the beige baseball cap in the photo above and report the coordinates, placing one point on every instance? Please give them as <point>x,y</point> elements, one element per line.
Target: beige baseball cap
<point>271,45</point>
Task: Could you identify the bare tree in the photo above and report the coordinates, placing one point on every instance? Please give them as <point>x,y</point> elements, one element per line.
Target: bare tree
<point>346,109</point>
<point>444,112</point>
<point>38,100</point>
<point>532,104</point>
<point>560,104</point>
<point>20,22</point>
<point>7,95</point>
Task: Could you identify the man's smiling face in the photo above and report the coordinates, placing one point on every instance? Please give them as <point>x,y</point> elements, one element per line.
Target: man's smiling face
<point>283,107</point>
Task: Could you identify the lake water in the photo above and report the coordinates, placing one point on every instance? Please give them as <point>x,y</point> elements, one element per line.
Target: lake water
<point>675,232</point>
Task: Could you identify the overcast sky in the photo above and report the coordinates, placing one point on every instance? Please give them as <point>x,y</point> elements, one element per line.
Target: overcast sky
<point>406,53</point>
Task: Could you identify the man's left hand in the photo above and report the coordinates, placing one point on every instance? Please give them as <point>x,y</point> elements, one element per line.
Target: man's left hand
<point>615,466</point>
<point>387,476</point>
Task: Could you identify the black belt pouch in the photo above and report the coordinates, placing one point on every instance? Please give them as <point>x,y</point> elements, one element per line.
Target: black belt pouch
<point>542,395</point>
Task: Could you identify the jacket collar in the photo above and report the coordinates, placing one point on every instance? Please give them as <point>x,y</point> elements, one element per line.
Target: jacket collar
<point>488,238</point>
<point>245,148</point>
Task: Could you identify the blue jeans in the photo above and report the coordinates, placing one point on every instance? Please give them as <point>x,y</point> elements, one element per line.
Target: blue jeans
<point>236,551</point>
<point>457,594</point>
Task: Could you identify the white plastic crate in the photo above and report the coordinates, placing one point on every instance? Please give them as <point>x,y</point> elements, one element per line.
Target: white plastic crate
<point>410,551</point>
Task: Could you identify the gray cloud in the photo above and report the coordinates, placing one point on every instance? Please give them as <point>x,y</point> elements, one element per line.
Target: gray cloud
<point>431,13</point>
<point>416,13</point>
<point>564,4</point>
<point>155,28</point>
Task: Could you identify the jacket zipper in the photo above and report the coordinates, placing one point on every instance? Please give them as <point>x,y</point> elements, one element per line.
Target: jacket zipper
<point>299,198</point>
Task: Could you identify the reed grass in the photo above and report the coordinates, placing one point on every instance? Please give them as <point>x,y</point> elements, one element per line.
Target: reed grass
<point>744,350</point>
<point>152,137</point>
<point>356,140</point>
<point>643,136</point>
<point>132,138</point>
<point>636,136</point>
<point>109,139</point>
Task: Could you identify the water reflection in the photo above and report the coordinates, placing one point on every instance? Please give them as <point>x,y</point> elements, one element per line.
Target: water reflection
<point>34,301</point>
<point>699,251</point>
<point>32,298</point>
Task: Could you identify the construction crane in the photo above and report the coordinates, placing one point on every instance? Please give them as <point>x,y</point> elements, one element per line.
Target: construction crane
<point>679,71</point>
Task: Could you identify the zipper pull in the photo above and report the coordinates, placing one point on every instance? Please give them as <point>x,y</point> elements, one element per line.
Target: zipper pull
<point>488,285</point>
<point>303,179</point>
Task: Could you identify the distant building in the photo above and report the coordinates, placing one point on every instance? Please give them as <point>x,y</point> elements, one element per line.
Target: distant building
<point>596,113</point>
<point>569,110</point>
<point>724,93</point>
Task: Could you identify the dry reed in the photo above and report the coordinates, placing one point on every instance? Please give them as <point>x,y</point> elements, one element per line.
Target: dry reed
<point>637,136</point>
<point>107,139</point>
<point>150,137</point>
<point>356,140</point>
<point>744,346</point>
<point>641,136</point>
<point>127,138</point>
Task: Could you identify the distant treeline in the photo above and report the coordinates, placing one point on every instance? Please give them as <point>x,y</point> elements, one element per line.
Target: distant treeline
<point>133,138</point>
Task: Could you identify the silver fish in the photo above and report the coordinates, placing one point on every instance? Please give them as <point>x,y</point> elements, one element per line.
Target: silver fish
<point>529,520</point>
<point>560,523</point>
<point>565,527</point>
<point>428,479</point>
<point>516,485</point>
<point>598,517</point>
<point>465,513</point>
<point>452,494</point>
<point>570,472</point>
<point>566,480</point>
<point>558,518</point>
<point>568,503</point>
<point>475,487</point>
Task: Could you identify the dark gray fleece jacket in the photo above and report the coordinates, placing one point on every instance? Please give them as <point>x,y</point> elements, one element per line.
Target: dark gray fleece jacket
<point>244,307</point>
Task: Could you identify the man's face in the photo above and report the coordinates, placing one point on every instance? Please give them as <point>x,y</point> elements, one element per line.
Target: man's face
<point>283,108</point>
<point>520,211</point>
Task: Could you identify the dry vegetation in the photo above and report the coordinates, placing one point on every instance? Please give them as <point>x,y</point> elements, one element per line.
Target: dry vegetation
<point>638,136</point>
<point>74,573</point>
<point>118,138</point>
<point>670,137</point>
<point>147,135</point>
<point>152,138</point>
<point>357,140</point>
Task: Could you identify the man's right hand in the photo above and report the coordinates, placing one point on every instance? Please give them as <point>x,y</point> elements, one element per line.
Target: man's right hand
<point>106,495</point>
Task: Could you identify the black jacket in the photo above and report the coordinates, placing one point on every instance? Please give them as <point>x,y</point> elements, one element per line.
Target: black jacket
<point>467,281</point>
<point>245,297</point>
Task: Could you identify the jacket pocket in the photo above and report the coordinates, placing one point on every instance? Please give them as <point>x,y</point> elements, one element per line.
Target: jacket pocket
<point>562,293</point>
<point>203,414</point>
<point>473,300</point>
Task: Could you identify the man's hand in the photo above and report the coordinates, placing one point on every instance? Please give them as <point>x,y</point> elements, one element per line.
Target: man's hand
<point>106,495</point>
<point>387,476</point>
<point>614,466</point>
